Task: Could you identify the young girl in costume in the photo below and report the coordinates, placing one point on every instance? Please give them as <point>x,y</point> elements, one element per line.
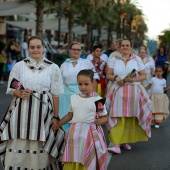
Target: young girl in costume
<point>85,146</point>
<point>160,101</point>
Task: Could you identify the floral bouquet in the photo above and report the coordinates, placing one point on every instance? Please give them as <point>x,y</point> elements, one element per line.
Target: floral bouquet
<point>99,106</point>
<point>15,84</point>
<point>134,73</point>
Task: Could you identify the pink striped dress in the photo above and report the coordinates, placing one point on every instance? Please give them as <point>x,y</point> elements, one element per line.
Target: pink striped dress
<point>85,140</point>
<point>130,100</point>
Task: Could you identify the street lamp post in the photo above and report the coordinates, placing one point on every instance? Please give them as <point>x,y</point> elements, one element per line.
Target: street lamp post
<point>59,15</point>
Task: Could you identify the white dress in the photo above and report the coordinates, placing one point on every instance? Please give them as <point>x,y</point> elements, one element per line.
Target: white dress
<point>26,137</point>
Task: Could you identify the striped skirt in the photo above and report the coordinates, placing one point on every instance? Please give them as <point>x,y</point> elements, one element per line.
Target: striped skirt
<point>30,120</point>
<point>130,100</point>
<point>86,145</point>
<point>160,107</point>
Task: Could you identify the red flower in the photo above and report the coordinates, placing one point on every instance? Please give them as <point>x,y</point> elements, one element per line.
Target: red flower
<point>16,85</point>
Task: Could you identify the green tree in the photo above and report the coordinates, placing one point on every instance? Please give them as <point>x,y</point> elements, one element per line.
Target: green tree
<point>164,38</point>
<point>41,6</point>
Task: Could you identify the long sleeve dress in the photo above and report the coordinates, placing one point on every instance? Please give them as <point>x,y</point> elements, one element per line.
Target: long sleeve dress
<point>26,137</point>
<point>69,75</point>
<point>129,106</point>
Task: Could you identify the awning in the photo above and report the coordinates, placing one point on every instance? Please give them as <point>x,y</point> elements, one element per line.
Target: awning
<point>13,7</point>
<point>49,24</point>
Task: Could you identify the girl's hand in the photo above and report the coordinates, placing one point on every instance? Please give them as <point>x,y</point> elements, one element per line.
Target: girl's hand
<point>101,120</point>
<point>97,121</point>
<point>25,93</point>
<point>55,124</point>
<point>129,80</point>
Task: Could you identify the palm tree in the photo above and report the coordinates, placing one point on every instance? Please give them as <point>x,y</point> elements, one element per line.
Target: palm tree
<point>40,7</point>
<point>164,38</point>
<point>93,13</point>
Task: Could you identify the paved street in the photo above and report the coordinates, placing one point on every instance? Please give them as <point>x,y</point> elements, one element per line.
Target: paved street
<point>151,155</point>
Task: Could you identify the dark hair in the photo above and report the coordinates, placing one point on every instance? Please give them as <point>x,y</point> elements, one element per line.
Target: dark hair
<point>86,72</point>
<point>95,46</point>
<point>74,44</point>
<point>163,48</point>
<point>160,67</point>
<point>35,37</point>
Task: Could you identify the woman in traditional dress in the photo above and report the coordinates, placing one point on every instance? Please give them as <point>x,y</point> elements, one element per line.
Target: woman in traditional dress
<point>127,102</point>
<point>69,70</point>
<point>149,67</point>
<point>28,139</point>
<point>85,145</point>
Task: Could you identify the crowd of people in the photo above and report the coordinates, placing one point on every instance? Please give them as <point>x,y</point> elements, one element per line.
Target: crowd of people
<point>56,116</point>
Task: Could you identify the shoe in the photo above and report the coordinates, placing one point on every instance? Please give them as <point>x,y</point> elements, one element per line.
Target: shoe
<point>114,150</point>
<point>126,146</point>
<point>157,126</point>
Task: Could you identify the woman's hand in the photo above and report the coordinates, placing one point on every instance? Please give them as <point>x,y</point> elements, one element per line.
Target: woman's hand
<point>25,93</point>
<point>129,80</point>
<point>119,81</point>
<point>55,124</point>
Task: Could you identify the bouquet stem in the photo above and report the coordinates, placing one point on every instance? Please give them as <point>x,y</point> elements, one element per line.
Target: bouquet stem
<point>38,99</point>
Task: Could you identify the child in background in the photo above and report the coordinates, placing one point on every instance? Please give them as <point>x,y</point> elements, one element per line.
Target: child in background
<point>100,66</point>
<point>85,146</point>
<point>160,101</point>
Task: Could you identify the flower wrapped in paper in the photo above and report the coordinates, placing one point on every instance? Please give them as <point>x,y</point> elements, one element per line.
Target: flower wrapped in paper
<point>99,106</point>
<point>15,84</point>
<point>134,73</point>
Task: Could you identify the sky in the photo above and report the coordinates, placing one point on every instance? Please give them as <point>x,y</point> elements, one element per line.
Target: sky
<point>157,16</point>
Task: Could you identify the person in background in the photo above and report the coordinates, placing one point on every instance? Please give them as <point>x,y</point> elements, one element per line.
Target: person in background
<point>149,67</point>
<point>69,70</point>
<point>117,52</point>
<point>83,51</point>
<point>2,62</point>
<point>24,48</point>
<point>28,136</point>
<point>12,51</point>
<point>127,102</point>
<point>85,138</point>
<point>100,67</point>
<point>160,101</point>
<point>151,58</point>
<point>112,48</point>
<point>110,59</point>
<point>161,57</point>
<point>104,57</point>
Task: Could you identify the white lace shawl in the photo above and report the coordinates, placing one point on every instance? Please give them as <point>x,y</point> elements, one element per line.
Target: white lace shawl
<point>44,76</point>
